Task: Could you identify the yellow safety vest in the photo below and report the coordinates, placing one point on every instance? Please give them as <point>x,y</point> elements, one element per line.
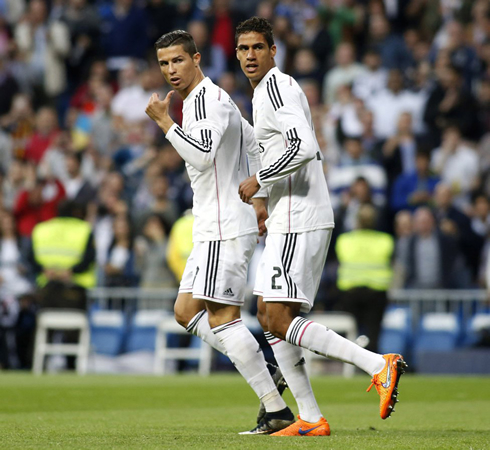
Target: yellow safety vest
<point>60,243</point>
<point>365,260</point>
<point>180,245</point>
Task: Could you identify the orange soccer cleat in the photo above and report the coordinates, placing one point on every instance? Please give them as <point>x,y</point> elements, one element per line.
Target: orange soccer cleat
<point>386,383</point>
<point>302,428</point>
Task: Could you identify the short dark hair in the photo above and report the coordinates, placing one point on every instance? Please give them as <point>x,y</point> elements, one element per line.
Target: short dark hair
<point>257,25</point>
<point>177,37</point>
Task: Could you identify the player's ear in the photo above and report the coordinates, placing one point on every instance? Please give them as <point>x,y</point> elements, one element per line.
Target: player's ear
<point>197,58</point>
<point>273,50</point>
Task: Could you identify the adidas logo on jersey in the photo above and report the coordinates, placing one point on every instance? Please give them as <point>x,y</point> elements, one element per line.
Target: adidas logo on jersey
<point>228,292</point>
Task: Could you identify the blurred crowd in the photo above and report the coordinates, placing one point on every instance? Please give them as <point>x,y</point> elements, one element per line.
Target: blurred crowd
<point>399,91</point>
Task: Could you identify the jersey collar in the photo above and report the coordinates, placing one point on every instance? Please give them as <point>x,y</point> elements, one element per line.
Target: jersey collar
<point>196,90</point>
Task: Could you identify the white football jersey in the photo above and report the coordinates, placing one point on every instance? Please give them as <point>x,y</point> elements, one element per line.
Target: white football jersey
<point>291,157</point>
<point>214,141</point>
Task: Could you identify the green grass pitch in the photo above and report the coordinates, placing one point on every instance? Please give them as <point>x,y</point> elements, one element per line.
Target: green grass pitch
<point>180,412</point>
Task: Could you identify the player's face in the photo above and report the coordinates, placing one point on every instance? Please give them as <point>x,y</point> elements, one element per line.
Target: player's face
<point>179,69</point>
<point>255,56</point>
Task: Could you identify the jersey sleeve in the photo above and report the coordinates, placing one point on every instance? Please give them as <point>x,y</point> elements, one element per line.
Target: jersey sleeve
<point>253,154</point>
<point>296,131</point>
<point>198,146</point>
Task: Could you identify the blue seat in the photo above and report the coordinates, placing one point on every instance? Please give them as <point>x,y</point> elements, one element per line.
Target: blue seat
<point>143,330</point>
<point>475,327</point>
<point>396,331</point>
<point>107,331</point>
<point>438,332</point>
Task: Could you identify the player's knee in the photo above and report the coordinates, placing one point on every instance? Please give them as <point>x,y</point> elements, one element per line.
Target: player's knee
<point>181,316</point>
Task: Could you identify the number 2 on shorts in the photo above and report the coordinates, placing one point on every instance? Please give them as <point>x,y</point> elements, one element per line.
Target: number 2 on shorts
<point>277,274</point>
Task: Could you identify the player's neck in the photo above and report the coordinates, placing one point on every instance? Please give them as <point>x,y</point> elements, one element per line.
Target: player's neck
<point>255,83</point>
<point>197,79</point>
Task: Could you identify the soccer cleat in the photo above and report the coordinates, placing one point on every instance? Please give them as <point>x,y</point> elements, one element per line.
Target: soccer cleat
<point>386,383</point>
<point>280,383</point>
<point>302,428</point>
<point>273,422</point>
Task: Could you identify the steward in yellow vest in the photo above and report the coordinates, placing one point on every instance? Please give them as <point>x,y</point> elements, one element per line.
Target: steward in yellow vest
<point>365,273</point>
<point>63,256</point>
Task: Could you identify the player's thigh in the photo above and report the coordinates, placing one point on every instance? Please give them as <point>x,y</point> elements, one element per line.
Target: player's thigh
<point>222,269</point>
<point>291,266</point>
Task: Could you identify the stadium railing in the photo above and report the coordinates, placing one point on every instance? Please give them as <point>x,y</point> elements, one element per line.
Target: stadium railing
<point>465,303</point>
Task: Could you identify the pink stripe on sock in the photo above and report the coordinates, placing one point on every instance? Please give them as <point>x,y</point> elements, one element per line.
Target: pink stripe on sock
<point>274,343</point>
<point>301,337</point>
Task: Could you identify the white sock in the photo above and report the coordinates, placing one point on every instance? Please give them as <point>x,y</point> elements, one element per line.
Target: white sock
<point>291,361</point>
<point>245,353</point>
<point>199,326</point>
<point>319,339</point>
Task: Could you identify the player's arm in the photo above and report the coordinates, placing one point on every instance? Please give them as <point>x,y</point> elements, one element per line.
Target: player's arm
<point>301,142</point>
<point>253,154</point>
<point>300,138</point>
<point>197,147</point>
<point>259,201</point>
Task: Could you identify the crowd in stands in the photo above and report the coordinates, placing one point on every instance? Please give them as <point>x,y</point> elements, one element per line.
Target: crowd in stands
<point>399,91</point>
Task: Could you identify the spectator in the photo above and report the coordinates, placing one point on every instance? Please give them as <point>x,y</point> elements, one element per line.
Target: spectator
<point>400,149</point>
<point>455,223</point>
<point>83,23</point>
<point>213,57</point>
<point>391,47</point>
<point>390,103</point>
<point>123,32</point>
<point>432,256</point>
<point>45,133</point>
<point>222,20</point>
<point>365,273</point>
<point>161,204</point>
<point>345,72</point>
<point>346,211</point>
<point>77,188</point>
<point>128,105</point>
<point>13,183</point>
<point>8,87</point>
<point>355,164</point>
<point>480,218</point>
<point>19,124</point>
<point>161,15</point>
<point>44,45</point>
<point>151,254</point>
<point>36,203</point>
<point>316,37</point>
<point>370,83</point>
<point>13,282</point>
<point>457,166</point>
<point>450,104</point>
<point>403,230</point>
<point>305,66</point>
<point>462,56</point>
<point>414,189</point>
<point>120,266</point>
<point>103,134</point>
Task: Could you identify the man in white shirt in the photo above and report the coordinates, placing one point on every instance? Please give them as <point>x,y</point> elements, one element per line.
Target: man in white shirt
<point>299,224</point>
<point>457,165</point>
<point>214,141</point>
<point>345,72</point>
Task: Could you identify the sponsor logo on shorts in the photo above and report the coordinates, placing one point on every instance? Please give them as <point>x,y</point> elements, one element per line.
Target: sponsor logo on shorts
<point>228,292</point>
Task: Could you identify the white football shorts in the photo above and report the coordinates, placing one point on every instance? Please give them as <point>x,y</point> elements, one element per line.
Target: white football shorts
<point>291,267</point>
<point>217,270</point>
